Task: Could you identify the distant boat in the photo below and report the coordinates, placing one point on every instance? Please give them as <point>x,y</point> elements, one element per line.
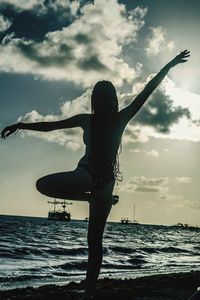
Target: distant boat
<point>185,225</point>
<point>134,220</point>
<point>58,211</point>
<point>181,225</point>
<point>127,221</point>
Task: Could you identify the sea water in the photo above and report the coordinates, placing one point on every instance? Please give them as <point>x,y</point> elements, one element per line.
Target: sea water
<point>35,251</point>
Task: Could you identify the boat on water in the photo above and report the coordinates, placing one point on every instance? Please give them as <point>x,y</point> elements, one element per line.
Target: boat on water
<point>127,221</point>
<point>185,225</point>
<point>58,211</point>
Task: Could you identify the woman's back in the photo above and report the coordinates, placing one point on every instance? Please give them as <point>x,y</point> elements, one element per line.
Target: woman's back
<point>102,137</point>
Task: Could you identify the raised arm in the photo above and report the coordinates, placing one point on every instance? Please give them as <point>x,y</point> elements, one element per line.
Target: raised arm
<point>75,121</point>
<point>128,112</point>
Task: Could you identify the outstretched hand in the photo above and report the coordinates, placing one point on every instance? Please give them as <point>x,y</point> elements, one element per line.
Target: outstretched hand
<point>180,58</point>
<point>9,130</point>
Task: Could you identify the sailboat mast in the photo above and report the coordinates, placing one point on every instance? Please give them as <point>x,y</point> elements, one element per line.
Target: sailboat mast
<point>134,212</point>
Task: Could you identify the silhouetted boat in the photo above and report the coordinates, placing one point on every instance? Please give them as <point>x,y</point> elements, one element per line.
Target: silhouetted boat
<point>181,225</point>
<point>185,225</point>
<point>127,221</point>
<point>58,211</point>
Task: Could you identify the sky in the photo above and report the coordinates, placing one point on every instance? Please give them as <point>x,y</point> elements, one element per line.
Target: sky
<point>51,55</point>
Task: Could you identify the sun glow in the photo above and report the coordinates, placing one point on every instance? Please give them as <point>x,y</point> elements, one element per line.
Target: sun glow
<point>186,99</point>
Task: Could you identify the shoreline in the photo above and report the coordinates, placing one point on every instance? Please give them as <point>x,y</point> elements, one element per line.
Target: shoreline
<point>173,286</point>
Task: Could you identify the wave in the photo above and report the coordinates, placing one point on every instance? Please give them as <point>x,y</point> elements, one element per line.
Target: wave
<point>35,249</point>
<point>149,250</point>
<point>67,251</point>
<point>172,249</point>
<point>19,253</point>
<point>21,278</point>
<point>122,249</point>
<point>137,261</point>
<point>73,265</point>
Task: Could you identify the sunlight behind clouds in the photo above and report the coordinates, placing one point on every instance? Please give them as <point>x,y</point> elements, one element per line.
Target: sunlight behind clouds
<point>183,98</point>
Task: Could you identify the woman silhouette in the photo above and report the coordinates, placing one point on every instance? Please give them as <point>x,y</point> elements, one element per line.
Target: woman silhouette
<point>98,169</point>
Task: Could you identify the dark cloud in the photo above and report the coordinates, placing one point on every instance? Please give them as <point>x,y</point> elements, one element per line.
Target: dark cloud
<point>36,22</point>
<point>146,185</point>
<point>82,38</point>
<point>31,51</point>
<point>62,55</point>
<point>66,52</point>
<point>162,197</point>
<point>160,113</point>
<point>147,181</point>
<point>91,63</point>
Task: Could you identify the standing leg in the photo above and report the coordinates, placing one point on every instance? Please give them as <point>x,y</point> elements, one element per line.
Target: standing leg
<point>99,210</point>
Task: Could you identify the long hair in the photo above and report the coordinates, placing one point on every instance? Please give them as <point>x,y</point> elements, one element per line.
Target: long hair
<point>105,131</point>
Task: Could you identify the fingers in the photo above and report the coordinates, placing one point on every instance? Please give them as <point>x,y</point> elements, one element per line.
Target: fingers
<point>3,134</point>
<point>8,131</point>
<point>181,57</point>
<point>185,53</point>
<point>183,60</point>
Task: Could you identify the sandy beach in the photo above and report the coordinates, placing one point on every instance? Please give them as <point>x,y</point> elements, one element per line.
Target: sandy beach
<point>158,287</point>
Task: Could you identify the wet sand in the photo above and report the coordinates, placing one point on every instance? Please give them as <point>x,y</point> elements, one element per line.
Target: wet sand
<point>178,286</point>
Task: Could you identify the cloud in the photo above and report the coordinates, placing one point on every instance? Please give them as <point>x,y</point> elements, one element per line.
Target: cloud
<point>138,12</point>
<point>157,117</point>
<point>160,113</point>
<point>153,153</point>
<point>148,181</point>
<point>143,184</point>
<point>5,23</point>
<point>183,179</point>
<point>70,138</point>
<point>135,150</point>
<point>41,6</point>
<point>87,50</point>
<point>146,189</point>
<point>152,122</point>
<point>157,41</point>
<point>162,197</point>
<point>134,133</point>
<point>22,4</point>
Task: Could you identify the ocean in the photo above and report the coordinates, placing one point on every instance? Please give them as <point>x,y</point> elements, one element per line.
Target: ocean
<point>36,251</point>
